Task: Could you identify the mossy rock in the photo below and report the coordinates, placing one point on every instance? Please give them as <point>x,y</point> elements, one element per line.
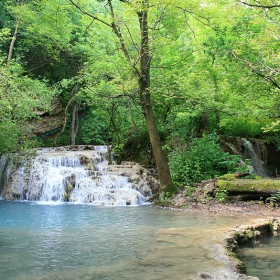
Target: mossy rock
<point>228,177</point>
<point>247,185</point>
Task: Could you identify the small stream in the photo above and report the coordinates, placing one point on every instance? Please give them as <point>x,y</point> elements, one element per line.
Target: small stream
<point>82,241</point>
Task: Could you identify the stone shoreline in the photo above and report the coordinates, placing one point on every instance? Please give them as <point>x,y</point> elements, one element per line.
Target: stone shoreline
<point>268,223</point>
<point>247,233</point>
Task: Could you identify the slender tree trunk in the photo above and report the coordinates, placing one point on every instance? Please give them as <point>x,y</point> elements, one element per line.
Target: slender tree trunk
<point>75,119</point>
<point>118,139</point>
<point>10,54</point>
<point>145,101</point>
<point>160,158</point>
<point>74,123</point>
<point>143,75</point>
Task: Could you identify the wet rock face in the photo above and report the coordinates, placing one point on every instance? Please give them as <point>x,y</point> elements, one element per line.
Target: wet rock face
<point>46,124</point>
<point>273,162</point>
<point>264,157</point>
<point>17,186</point>
<point>204,275</point>
<point>48,121</point>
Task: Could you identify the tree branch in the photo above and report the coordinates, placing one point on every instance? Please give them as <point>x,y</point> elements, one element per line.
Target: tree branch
<point>204,20</point>
<point>269,78</point>
<point>88,14</point>
<point>259,5</point>
<point>118,33</point>
<point>11,48</point>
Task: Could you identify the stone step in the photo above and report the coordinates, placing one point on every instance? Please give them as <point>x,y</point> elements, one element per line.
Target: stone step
<point>119,166</point>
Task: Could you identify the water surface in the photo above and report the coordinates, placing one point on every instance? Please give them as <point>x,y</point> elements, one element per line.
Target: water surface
<point>262,257</point>
<point>81,241</point>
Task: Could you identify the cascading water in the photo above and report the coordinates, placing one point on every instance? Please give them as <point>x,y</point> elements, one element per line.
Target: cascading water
<point>252,149</point>
<point>253,152</point>
<point>80,176</point>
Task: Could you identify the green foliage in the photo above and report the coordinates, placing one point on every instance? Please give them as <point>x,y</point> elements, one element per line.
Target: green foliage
<point>167,196</point>
<point>199,160</point>
<point>187,123</point>
<point>246,167</point>
<point>241,126</point>
<point>221,195</point>
<point>93,131</point>
<point>214,68</point>
<point>20,95</point>
<point>20,99</point>
<point>188,190</point>
<point>118,150</point>
<point>137,147</point>
<point>9,136</point>
<point>274,198</point>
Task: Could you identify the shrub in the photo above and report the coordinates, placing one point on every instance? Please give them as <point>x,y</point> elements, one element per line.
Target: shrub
<point>9,137</point>
<point>200,159</point>
<point>221,195</point>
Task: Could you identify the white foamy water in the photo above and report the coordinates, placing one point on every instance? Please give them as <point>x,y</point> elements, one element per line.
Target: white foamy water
<point>81,176</point>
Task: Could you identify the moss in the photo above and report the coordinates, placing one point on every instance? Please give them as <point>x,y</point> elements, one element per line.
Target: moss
<point>250,234</point>
<point>227,177</point>
<point>249,185</point>
<point>167,192</point>
<point>70,188</point>
<point>270,227</point>
<point>242,267</point>
<point>163,203</point>
<point>171,188</point>
<point>66,197</point>
<point>233,255</point>
<point>245,234</point>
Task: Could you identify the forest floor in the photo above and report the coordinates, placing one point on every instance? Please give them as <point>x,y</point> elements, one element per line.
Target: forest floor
<point>255,208</point>
<point>233,208</point>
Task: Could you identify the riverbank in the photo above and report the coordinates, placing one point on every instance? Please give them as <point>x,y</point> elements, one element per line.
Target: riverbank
<point>232,208</point>
<point>245,234</point>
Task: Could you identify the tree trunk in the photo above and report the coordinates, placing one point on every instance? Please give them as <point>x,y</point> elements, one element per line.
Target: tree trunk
<point>118,139</point>
<point>143,75</point>
<point>160,158</point>
<point>145,102</point>
<point>10,54</point>
<point>74,123</point>
<point>75,119</point>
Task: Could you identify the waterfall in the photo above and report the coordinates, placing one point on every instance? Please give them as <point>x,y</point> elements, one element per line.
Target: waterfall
<point>77,176</point>
<point>253,149</point>
<point>253,152</point>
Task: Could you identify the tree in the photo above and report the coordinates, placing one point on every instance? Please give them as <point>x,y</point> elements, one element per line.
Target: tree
<point>140,68</point>
<point>20,99</point>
